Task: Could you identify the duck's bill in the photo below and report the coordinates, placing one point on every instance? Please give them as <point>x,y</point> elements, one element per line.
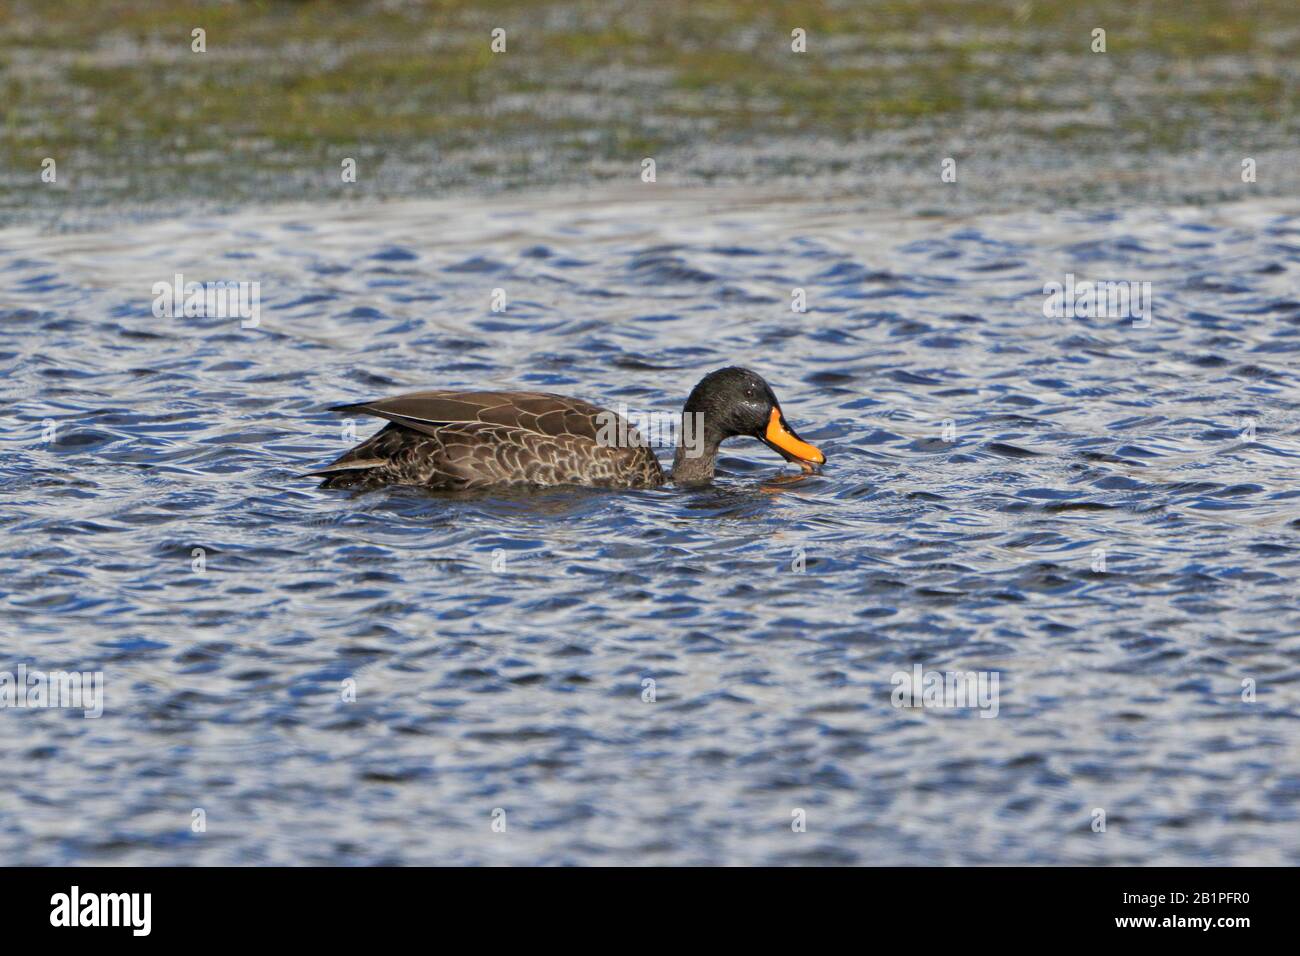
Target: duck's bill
<point>780,437</point>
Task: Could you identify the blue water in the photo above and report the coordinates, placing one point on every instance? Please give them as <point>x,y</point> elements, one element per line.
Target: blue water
<point>498,645</point>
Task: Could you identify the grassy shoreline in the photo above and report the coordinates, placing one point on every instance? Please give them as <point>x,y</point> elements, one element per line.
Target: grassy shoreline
<point>412,91</point>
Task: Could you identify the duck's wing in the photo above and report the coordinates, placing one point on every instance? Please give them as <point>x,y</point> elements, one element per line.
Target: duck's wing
<point>539,412</point>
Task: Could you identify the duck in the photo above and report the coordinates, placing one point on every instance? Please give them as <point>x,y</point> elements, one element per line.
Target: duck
<point>446,440</point>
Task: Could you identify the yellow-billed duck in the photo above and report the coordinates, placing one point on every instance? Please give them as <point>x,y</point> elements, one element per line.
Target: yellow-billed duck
<point>452,440</point>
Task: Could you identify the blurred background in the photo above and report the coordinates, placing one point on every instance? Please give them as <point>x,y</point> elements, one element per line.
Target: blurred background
<point>709,88</point>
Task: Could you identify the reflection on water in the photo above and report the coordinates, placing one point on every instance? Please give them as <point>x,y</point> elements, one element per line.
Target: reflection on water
<point>1106,516</point>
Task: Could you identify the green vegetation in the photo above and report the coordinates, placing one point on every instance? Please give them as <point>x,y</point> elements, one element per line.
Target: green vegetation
<point>112,90</point>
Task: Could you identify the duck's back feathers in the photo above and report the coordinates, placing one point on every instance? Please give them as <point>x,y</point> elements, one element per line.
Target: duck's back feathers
<point>451,440</point>
<point>539,412</point>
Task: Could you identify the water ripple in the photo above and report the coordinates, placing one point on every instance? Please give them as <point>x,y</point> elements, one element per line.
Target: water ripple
<point>981,458</point>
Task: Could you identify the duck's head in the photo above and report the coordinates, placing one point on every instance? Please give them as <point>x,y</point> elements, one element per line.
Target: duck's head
<point>734,402</point>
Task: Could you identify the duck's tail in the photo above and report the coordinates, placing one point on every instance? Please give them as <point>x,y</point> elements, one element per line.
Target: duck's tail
<point>341,474</point>
<point>357,466</point>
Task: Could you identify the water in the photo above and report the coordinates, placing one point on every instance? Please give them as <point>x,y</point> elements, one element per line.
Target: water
<point>499,644</point>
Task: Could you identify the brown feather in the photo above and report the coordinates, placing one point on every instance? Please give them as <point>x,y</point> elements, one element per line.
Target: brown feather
<point>462,440</point>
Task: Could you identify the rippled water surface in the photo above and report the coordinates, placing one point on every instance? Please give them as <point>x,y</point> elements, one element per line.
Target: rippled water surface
<point>518,684</point>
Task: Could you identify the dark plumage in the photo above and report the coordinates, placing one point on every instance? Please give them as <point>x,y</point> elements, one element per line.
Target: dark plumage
<point>450,440</point>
